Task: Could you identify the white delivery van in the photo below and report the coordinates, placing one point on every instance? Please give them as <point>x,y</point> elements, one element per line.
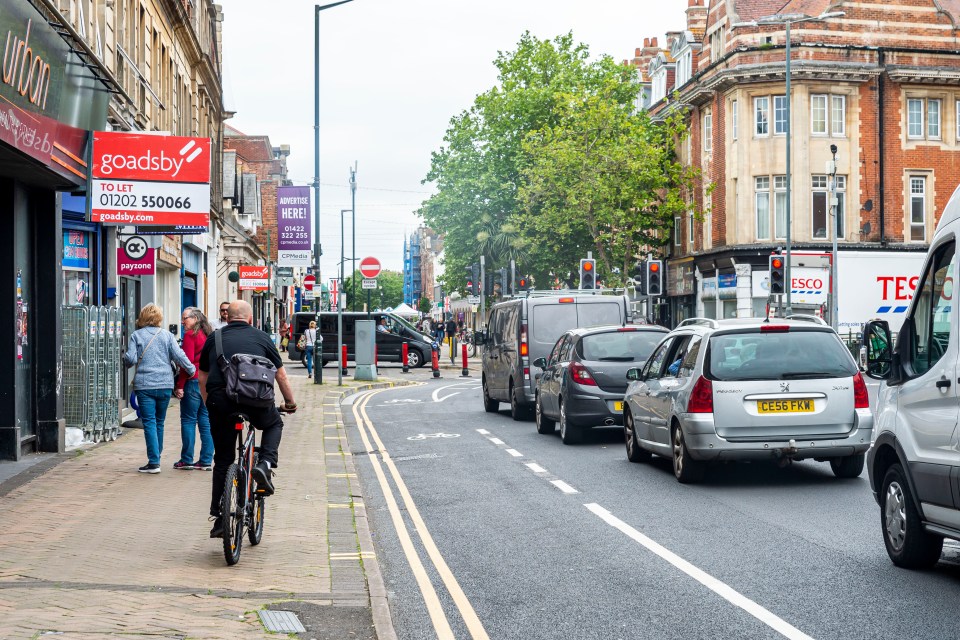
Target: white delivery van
<point>914,463</point>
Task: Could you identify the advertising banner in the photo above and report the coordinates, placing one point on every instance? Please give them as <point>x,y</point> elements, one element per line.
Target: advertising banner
<point>293,226</point>
<point>76,250</point>
<point>254,278</point>
<point>143,266</point>
<point>877,285</point>
<point>150,180</point>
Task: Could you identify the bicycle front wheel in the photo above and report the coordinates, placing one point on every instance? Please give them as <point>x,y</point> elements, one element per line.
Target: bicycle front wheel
<point>231,510</point>
<point>255,530</point>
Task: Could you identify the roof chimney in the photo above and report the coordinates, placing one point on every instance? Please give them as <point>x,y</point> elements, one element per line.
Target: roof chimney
<point>697,18</point>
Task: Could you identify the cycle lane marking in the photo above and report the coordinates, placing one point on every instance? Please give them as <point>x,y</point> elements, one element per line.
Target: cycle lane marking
<point>467,612</point>
<point>722,589</point>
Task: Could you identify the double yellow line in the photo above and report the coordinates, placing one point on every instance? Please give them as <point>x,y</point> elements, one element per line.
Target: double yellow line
<point>434,608</point>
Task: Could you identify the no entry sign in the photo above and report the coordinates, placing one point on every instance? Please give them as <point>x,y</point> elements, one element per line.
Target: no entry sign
<point>370,267</point>
<point>309,281</point>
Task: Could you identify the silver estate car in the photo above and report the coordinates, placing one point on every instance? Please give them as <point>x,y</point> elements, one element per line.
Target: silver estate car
<point>749,389</point>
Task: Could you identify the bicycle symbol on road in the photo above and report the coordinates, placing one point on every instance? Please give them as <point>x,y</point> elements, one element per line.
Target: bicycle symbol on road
<point>424,436</point>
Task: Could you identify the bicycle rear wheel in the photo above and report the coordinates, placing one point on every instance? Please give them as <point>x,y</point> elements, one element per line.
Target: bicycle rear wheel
<point>255,530</point>
<point>231,510</point>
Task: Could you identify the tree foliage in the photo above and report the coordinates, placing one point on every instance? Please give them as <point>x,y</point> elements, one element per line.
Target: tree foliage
<point>550,163</point>
<point>389,291</point>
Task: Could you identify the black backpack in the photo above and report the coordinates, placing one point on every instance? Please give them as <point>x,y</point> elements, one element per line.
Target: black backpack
<point>249,378</point>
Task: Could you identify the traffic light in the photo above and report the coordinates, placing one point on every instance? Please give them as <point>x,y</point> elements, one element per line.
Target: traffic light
<point>504,282</point>
<point>588,273</point>
<point>488,284</point>
<point>777,275</point>
<point>524,283</point>
<point>640,277</point>
<point>470,281</point>
<point>654,278</point>
<point>473,279</point>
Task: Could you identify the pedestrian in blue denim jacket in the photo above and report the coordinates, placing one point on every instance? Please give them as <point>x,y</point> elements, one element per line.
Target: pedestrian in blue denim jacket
<point>152,350</point>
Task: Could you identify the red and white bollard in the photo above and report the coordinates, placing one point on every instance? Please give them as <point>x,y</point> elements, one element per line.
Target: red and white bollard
<point>435,357</point>
<point>404,354</point>
<point>343,360</point>
<point>466,372</point>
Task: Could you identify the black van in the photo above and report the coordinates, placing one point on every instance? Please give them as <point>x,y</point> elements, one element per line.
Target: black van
<point>520,331</point>
<point>389,347</point>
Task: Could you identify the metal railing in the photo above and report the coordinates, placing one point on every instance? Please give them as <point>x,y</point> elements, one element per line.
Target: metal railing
<point>92,352</point>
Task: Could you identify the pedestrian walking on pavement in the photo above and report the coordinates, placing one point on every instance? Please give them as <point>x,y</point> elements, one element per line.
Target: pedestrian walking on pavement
<point>310,335</point>
<point>193,413</point>
<point>221,320</point>
<point>151,350</point>
<point>239,336</point>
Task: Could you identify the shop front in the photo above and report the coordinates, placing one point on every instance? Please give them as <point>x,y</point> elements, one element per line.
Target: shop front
<point>83,252</point>
<point>50,101</point>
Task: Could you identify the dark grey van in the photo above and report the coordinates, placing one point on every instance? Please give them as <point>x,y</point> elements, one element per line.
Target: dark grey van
<point>522,330</point>
<point>389,345</point>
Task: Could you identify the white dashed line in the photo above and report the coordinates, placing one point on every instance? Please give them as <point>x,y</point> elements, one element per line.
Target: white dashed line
<point>725,591</point>
<point>483,432</point>
<point>497,441</point>
<point>563,486</point>
<point>533,466</point>
<point>515,453</point>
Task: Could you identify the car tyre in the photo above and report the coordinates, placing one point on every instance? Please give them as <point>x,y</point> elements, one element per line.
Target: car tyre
<point>517,411</point>
<point>908,545</point>
<point>489,404</point>
<point>848,466</point>
<point>635,453</point>
<point>415,359</point>
<point>569,433</point>
<point>686,469</point>
<point>545,425</point>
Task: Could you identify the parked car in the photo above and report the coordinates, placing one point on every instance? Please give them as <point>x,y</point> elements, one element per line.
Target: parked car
<point>389,344</point>
<point>585,376</point>
<point>520,331</point>
<point>914,464</point>
<point>749,389</point>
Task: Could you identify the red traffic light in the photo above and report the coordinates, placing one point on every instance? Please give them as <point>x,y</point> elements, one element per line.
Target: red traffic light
<point>654,266</point>
<point>776,263</point>
<point>587,266</point>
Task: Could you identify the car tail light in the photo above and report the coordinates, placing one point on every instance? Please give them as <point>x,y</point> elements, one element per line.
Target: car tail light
<point>861,399</point>
<point>581,375</point>
<point>627,329</point>
<point>524,347</point>
<point>565,300</point>
<point>701,397</point>
<point>774,328</point>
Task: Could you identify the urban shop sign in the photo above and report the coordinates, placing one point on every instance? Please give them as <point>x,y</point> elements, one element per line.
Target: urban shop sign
<point>254,278</point>
<point>49,98</point>
<point>293,221</point>
<point>149,180</point>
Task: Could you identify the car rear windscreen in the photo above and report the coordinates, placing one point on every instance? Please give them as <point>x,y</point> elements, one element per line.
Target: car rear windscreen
<point>789,355</point>
<point>620,346</point>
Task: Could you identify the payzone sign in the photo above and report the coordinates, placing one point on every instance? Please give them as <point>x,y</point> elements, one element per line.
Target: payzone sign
<point>150,180</point>
<point>877,285</point>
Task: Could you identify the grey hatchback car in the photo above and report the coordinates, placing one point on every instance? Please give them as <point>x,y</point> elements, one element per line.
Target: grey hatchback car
<point>749,389</point>
<point>585,376</point>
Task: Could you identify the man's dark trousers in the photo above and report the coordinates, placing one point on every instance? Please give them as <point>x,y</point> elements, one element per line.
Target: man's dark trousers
<point>224,431</point>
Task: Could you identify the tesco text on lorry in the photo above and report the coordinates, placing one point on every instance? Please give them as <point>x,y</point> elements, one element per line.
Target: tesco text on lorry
<point>877,285</point>
<point>148,180</point>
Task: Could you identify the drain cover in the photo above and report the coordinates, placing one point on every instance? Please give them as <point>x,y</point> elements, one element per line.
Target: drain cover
<point>281,621</point>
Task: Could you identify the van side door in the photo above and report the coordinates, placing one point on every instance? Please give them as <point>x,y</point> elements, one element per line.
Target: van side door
<point>927,410</point>
<point>491,355</point>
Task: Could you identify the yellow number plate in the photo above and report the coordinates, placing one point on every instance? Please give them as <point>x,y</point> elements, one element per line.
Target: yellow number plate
<point>618,406</point>
<point>804,405</point>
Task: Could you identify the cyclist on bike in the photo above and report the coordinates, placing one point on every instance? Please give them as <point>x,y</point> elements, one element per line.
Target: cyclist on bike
<point>239,336</point>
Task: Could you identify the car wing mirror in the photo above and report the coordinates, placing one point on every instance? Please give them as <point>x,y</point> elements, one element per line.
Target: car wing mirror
<point>879,346</point>
<point>540,362</point>
<point>633,373</point>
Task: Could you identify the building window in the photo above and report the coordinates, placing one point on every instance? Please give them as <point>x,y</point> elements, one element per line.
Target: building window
<point>818,115</point>
<point>763,207</point>
<point>780,206</point>
<point>708,131</point>
<point>780,124</point>
<point>736,120</point>
<point>822,215</point>
<point>914,118</point>
<point>716,45</point>
<point>933,119</point>
<point>677,237</point>
<point>918,209</point>
<point>761,107</point>
<point>838,115</point>
<point>690,229</point>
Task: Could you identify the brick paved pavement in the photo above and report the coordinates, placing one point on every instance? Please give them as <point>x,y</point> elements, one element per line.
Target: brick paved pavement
<point>93,549</point>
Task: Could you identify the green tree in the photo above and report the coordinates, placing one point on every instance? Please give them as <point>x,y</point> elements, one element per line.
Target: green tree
<point>479,170</point>
<point>425,305</point>
<point>389,291</point>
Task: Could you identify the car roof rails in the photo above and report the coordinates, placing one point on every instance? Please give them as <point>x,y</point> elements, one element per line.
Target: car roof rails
<point>805,317</point>
<point>543,293</point>
<point>707,322</point>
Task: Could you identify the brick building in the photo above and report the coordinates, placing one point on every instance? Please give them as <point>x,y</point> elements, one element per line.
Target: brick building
<point>880,82</point>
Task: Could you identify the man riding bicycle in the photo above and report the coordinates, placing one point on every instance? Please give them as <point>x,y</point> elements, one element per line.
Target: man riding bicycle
<point>239,336</point>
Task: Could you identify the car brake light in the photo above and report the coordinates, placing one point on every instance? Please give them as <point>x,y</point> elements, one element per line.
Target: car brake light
<point>701,397</point>
<point>524,348</point>
<point>627,329</point>
<point>581,375</point>
<point>774,328</point>
<point>861,399</point>
<point>565,300</point>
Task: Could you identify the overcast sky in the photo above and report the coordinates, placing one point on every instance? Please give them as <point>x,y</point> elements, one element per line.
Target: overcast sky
<point>393,73</point>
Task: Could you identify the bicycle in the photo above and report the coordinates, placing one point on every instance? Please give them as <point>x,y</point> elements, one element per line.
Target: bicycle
<point>466,337</point>
<point>242,505</point>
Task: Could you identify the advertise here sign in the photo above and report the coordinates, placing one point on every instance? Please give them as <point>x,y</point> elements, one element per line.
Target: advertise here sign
<point>254,278</point>
<point>150,180</point>
<point>293,226</point>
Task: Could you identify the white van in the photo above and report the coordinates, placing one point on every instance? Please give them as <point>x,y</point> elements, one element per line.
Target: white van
<point>914,463</point>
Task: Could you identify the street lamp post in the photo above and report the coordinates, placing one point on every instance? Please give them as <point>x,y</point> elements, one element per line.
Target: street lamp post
<point>317,356</point>
<point>835,210</point>
<point>788,19</point>
<point>340,305</point>
<point>353,236</point>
